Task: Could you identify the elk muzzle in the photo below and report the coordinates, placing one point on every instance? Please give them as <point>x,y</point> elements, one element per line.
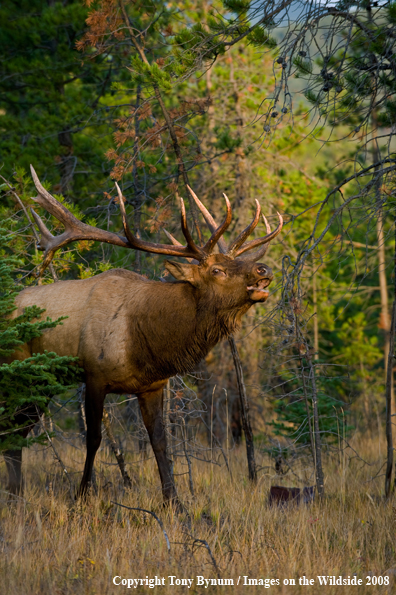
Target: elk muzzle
<point>257,287</point>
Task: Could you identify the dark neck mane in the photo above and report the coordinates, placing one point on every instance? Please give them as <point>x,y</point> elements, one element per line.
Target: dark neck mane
<point>190,328</point>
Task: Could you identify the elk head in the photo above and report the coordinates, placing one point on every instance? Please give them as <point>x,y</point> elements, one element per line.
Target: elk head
<point>223,272</point>
<point>229,276</point>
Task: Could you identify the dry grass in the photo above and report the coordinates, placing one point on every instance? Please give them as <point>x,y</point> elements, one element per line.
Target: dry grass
<point>51,545</point>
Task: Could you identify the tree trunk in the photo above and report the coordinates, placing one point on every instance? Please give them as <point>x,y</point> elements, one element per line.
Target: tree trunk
<point>315,318</point>
<point>67,162</point>
<point>389,382</point>
<point>311,436</point>
<point>388,396</point>
<point>137,202</point>
<point>247,428</point>
<point>384,317</point>
<point>316,430</point>
<point>316,443</point>
<point>384,320</point>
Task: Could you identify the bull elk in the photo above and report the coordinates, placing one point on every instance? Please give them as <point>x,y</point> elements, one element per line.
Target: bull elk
<point>132,334</point>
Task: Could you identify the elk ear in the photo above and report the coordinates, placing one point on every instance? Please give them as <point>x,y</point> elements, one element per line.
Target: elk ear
<point>181,271</point>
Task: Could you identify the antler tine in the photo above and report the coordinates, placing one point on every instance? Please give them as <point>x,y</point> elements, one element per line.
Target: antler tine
<point>263,250</point>
<point>45,242</point>
<point>46,235</point>
<point>237,243</point>
<point>190,251</point>
<point>216,235</point>
<point>74,229</point>
<point>261,241</point>
<point>172,238</point>
<point>133,240</point>
<point>176,242</point>
<point>199,252</point>
<point>267,225</point>
<point>211,223</point>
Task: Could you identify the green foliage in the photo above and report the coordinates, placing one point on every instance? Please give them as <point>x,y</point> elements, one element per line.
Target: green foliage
<point>161,78</point>
<point>149,74</point>
<point>389,114</point>
<point>189,37</point>
<point>304,67</point>
<point>260,38</point>
<point>237,6</point>
<point>292,421</point>
<point>221,148</point>
<point>312,96</point>
<point>216,23</point>
<point>195,41</point>
<point>357,80</point>
<point>48,93</point>
<point>225,141</point>
<point>26,385</point>
<point>391,8</point>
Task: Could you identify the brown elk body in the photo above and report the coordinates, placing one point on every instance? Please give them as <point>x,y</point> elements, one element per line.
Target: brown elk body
<point>282,497</point>
<point>132,334</point>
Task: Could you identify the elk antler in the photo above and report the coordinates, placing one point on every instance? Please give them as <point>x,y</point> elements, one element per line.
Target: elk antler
<point>76,230</point>
<point>237,243</point>
<point>261,241</point>
<point>191,251</point>
<point>209,219</point>
<point>176,242</point>
<point>217,230</point>
<point>259,253</point>
<point>236,248</point>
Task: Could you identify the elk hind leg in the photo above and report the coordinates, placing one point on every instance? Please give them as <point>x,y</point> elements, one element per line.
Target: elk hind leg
<point>13,456</point>
<point>151,406</point>
<point>13,461</point>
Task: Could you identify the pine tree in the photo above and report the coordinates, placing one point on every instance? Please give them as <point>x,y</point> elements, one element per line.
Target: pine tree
<point>28,385</point>
<point>51,100</point>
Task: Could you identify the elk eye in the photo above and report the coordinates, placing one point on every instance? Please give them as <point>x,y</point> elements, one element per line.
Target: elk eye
<point>218,272</point>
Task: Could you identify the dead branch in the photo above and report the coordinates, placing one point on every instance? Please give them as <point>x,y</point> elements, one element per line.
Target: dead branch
<point>119,455</point>
<point>206,545</point>
<point>152,514</point>
<point>55,453</point>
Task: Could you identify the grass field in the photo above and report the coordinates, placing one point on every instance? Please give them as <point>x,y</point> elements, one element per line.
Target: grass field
<point>50,544</point>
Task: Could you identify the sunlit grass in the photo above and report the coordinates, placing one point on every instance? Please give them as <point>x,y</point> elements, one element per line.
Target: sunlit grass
<point>50,544</point>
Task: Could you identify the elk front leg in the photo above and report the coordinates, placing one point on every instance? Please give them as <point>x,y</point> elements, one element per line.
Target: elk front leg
<point>13,461</point>
<point>94,400</point>
<point>151,406</point>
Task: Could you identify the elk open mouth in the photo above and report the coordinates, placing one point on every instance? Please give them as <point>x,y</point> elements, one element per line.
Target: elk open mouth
<point>258,291</point>
<point>259,286</point>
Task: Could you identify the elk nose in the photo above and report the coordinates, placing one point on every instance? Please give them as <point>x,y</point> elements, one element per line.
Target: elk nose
<point>264,271</point>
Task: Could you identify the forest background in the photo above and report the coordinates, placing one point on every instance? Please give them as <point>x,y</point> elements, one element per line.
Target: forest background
<point>155,95</point>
